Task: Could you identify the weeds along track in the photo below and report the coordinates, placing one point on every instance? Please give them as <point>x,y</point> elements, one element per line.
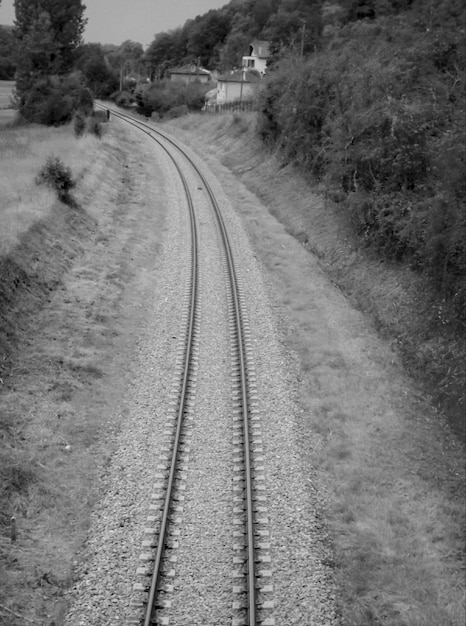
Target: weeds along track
<point>251,588</point>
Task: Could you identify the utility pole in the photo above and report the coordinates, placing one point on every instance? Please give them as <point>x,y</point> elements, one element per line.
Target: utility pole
<point>122,69</point>
<point>302,37</point>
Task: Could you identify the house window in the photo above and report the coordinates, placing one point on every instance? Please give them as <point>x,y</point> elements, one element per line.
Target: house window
<point>250,63</point>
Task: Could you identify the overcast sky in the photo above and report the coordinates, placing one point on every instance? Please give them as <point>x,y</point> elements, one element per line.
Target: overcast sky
<point>113,21</point>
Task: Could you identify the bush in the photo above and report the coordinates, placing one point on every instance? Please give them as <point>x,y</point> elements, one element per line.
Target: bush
<point>79,124</point>
<point>95,127</point>
<point>164,96</point>
<point>54,100</point>
<point>56,175</point>
<point>122,98</point>
<point>178,111</point>
<point>100,115</point>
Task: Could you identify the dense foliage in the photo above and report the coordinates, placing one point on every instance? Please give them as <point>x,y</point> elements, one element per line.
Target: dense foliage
<point>53,100</point>
<point>109,68</point>
<point>47,34</point>
<point>379,114</point>
<point>100,76</point>
<point>172,98</point>
<point>7,62</point>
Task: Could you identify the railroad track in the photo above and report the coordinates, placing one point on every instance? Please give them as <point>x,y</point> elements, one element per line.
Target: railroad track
<point>251,580</point>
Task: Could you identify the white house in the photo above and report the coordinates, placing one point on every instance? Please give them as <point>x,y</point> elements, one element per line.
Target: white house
<point>237,86</point>
<point>258,55</point>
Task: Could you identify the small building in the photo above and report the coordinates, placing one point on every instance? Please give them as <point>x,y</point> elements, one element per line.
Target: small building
<point>259,53</point>
<point>239,85</point>
<point>189,74</point>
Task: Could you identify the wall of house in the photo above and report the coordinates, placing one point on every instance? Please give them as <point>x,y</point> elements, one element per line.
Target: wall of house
<point>229,91</point>
<point>255,63</point>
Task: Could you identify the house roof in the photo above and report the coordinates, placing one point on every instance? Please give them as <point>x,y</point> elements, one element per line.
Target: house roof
<point>190,69</point>
<point>239,76</point>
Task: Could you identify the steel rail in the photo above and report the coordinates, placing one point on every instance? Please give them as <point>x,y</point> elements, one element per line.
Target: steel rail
<point>251,575</point>
<point>161,544</point>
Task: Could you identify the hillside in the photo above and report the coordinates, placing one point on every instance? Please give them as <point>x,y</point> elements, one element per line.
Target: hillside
<point>368,99</point>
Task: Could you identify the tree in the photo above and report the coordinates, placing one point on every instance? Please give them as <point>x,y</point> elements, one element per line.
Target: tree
<point>47,33</point>
<point>295,28</point>
<point>101,78</point>
<point>206,34</point>
<point>167,50</point>
<point>131,54</point>
<point>7,66</point>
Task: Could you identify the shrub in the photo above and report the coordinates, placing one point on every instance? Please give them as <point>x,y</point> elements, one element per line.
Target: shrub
<point>95,127</point>
<point>56,175</point>
<point>164,96</point>
<point>79,124</point>
<point>178,111</point>
<point>100,115</point>
<point>122,98</point>
<point>54,100</point>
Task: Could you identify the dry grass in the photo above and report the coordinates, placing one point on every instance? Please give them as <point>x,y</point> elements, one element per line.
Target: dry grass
<point>23,151</point>
<point>393,470</point>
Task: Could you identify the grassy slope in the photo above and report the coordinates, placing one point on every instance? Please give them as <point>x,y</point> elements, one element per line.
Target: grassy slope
<point>394,471</point>
<point>66,276</point>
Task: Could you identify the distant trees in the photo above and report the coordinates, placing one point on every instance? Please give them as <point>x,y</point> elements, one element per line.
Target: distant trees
<point>295,28</point>
<point>168,49</point>
<point>219,38</point>
<point>100,77</point>
<point>206,36</point>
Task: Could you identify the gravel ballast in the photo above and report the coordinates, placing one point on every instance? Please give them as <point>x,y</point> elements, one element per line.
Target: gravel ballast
<point>301,560</point>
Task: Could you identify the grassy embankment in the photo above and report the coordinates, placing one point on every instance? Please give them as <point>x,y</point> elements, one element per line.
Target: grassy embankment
<point>64,273</point>
<point>394,471</point>
<point>39,241</point>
